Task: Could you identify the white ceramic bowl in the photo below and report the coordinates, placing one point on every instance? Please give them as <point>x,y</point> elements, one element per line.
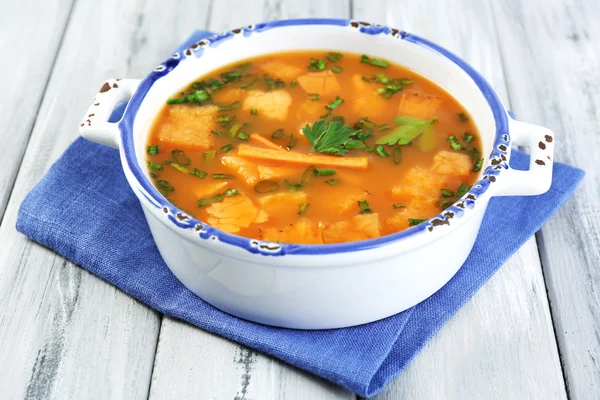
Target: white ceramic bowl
<point>318,286</point>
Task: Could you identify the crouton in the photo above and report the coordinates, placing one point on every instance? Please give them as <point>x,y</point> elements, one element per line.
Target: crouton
<point>360,227</point>
<point>281,70</point>
<point>367,100</point>
<point>414,105</point>
<point>272,105</point>
<point>451,163</point>
<point>283,204</point>
<point>304,231</point>
<point>419,185</point>
<point>244,169</point>
<point>189,126</point>
<point>232,214</point>
<point>323,83</point>
<point>228,95</point>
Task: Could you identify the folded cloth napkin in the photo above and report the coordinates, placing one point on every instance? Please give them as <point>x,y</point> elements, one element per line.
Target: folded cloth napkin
<point>84,209</point>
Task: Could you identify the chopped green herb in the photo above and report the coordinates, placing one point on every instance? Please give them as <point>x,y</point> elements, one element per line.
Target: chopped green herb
<point>382,78</point>
<point>199,173</point>
<point>335,103</point>
<point>180,157</point>
<point>384,127</point>
<point>316,65</point>
<point>210,155</point>
<point>177,101</point>
<point>221,176</point>
<point>293,83</point>
<point>415,221</point>
<point>232,106</point>
<point>292,142</point>
<point>337,69</point>
<point>152,150</point>
<point>308,174</point>
<point>154,166</point>
<point>217,132</point>
<point>227,147</point>
<point>250,84</point>
<point>397,155</point>
<point>398,205</point>
<point>378,63</point>
<point>339,119</point>
<point>364,124</point>
<point>153,175</point>
<point>364,207</point>
<point>231,76</point>
<point>179,167</point>
<point>332,182</point>
<point>334,57</point>
<point>389,90</point>
<point>235,129</point>
<point>302,208</point>
<point>199,96</point>
<point>293,187</point>
<point>369,149</point>
<point>446,205</point>
<point>364,78</point>
<point>278,134</point>
<point>478,164</point>
<point>164,185</point>
<point>463,117</point>
<point>355,144</point>
<point>242,136</point>
<point>314,96</point>
<point>266,186</point>
<point>454,143</point>
<point>231,192</point>
<point>447,193</point>
<point>325,172</point>
<point>222,118</point>
<point>253,111</point>
<point>468,137</point>
<point>475,154</point>
<point>380,150</point>
<point>273,83</point>
<point>328,137</point>
<point>209,200</point>
<point>409,130</point>
<point>462,190</point>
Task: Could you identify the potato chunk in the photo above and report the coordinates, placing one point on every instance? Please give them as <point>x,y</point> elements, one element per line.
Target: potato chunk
<point>415,105</point>
<point>323,82</point>
<point>206,189</point>
<point>242,168</point>
<point>232,214</point>
<point>347,197</point>
<point>360,227</point>
<point>419,186</point>
<point>304,231</point>
<point>451,163</point>
<point>284,203</point>
<point>367,100</point>
<point>272,105</point>
<point>189,126</point>
<point>281,70</point>
<point>311,110</point>
<point>279,172</point>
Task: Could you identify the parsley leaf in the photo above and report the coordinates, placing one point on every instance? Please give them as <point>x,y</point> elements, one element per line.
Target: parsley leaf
<point>328,137</point>
<point>410,128</point>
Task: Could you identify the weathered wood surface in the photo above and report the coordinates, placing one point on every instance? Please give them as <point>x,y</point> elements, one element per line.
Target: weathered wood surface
<point>552,65</point>
<point>27,59</point>
<point>501,344</point>
<point>66,334</point>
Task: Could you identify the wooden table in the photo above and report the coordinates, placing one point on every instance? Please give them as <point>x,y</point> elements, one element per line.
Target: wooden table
<point>532,332</point>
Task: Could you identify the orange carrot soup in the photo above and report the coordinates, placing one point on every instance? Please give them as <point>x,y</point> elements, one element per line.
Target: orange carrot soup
<point>313,148</point>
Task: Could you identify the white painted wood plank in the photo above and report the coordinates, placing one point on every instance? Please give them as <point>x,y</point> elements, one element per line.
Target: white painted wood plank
<point>27,58</point>
<point>501,344</point>
<point>553,71</point>
<point>66,334</point>
<point>193,363</point>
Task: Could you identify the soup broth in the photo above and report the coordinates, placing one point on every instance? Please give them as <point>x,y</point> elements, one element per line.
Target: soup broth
<point>313,147</point>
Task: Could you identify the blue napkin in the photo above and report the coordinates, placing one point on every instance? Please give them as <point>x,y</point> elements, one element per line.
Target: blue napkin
<point>84,209</point>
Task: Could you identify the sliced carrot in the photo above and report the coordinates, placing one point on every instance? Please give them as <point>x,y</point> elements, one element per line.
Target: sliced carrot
<point>301,158</point>
<point>264,141</point>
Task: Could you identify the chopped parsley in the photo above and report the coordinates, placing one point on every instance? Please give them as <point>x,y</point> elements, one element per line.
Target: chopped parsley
<point>463,117</point>
<point>380,150</point>
<point>324,172</point>
<point>227,147</point>
<point>378,63</point>
<point>231,192</point>
<point>334,57</point>
<point>253,111</point>
<point>209,200</point>
<point>314,96</point>
<point>302,208</point>
<point>316,65</point>
<point>335,103</point>
<point>154,166</point>
<point>337,69</point>
<point>152,150</point>
<point>242,136</point>
<point>199,173</point>
<point>232,106</point>
<point>447,193</point>
<point>221,176</point>
<point>454,143</point>
<point>467,137</point>
<point>462,190</point>
<point>231,76</point>
<point>478,164</point>
<point>415,221</point>
<point>364,207</point>
<point>164,185</point>
<point>332,182</point>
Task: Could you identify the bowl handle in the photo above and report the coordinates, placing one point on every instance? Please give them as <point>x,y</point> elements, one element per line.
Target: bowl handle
<point>95,126</point>
<point>538,178</point>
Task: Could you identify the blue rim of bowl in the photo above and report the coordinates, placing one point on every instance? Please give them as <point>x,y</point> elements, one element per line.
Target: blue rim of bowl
<point>496,162</point>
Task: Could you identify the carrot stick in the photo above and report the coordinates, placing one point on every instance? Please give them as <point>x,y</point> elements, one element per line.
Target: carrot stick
<point>301,158</point>
<point>265,142</point>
